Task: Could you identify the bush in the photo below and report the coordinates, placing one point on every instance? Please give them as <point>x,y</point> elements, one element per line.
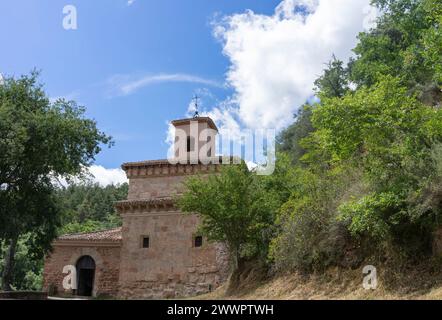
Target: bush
<point>310,236</point>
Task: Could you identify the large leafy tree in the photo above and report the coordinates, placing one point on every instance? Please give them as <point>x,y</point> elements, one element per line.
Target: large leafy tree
<point>372,162</point>
<point>406,43</point>
<point>28,269</point>
<point>333,83</point>
<point>334,80</point>
<point>90,201</point>
<point>89,207</point>
<point>39,141</point>
<point>391,139</point>
<point>236,207</point>
<point>289,140</point>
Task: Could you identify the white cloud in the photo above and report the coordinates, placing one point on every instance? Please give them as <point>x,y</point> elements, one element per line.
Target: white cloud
<point>128,84</point>
<point>2,80</point>
<point>227,119</point>
<point>104,176</point>
<point>276,58</point>
<point>130,2</point>
<point>95,174</point>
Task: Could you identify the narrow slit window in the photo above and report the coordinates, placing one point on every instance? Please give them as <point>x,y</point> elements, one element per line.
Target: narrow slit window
<point>198,241</point>
<point>189,144</point>
<point>145,242</point>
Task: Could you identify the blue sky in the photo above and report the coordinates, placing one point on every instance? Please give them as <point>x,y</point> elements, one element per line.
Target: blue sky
<point>136,66</point>
<point>113,38</point>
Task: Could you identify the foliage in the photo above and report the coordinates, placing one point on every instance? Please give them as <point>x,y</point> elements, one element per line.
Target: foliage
<point>39,141</point>
<point>28,269</point>
<point>310,237</point>
<point>27,272</point>
<point>90,226</point>
<point>405,43</point>
<point>90,205</point>
<point>372,215</point>
<point>432,40</point>
<point>334,82</point>
<point>390,135</point>
<point>289,140</point>
<point>236,207</point>
<point>370,171</point>
<point>391,141</point>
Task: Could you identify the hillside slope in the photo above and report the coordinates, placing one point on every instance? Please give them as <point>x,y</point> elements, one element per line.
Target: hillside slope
<point>337,284</point>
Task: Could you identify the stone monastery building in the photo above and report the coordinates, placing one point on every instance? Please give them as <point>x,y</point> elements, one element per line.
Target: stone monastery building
<point>157,253</point>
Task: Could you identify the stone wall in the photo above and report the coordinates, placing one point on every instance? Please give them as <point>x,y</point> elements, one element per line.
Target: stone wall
<point>155,187</point>
<point>107,261</point>
<point>171,266</point>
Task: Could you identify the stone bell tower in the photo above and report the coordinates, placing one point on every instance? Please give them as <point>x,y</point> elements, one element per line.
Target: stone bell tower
<point>194,140</point>
<point>162,253</point>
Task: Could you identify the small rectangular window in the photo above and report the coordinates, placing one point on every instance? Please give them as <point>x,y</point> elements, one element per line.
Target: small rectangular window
<point>145,242</point>
<point>198,241</point>
<point>189,144</point>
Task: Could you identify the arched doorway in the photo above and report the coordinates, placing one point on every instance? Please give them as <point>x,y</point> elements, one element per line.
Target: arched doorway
<point>85,276</point>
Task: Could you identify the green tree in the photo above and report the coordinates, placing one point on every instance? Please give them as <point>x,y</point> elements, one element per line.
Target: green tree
<point>234,209</point>
<point>369,173</point>
<point>289,140</point>
<point>405,43</point>
<point>27,273</point>
<point>39,141</point>
<point>334,81</point>
<point>382,129</point>
<point>432,41</point>
<point>28,269</point>
<point>90,202</point>
<point>391,138</point>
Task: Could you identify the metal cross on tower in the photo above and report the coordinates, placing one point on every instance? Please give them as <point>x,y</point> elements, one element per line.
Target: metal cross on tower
<point>196,115</point>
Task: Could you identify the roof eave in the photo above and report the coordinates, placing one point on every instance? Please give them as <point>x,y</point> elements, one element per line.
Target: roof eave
<point>209,121</point>
<point>86,243</point>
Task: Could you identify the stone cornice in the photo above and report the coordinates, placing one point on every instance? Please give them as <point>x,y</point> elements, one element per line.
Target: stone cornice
<point>209,122</point>
<point>87,243</point>
<point>142,206</point>
<point>157,168</point>
<point>138,170</point>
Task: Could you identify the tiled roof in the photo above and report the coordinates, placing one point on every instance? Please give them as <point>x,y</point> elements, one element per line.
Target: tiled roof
<point>209,121</point>
<point>212,160</point>
<point>145,163</point>
<point>105,235</point>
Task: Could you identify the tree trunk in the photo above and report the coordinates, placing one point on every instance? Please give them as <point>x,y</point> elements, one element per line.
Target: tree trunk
<point>235,258</point>
<point>9,264</point>
<point>234,280</point>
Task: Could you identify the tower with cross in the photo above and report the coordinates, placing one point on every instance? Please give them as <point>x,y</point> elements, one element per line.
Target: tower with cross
<point>181,262</point>
<point>195,101</point>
